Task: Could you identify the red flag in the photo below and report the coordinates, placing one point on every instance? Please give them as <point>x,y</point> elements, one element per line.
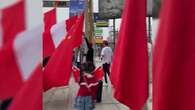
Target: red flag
<point>58,70</point>
<point>59,30</point>
<point>99,73</point>
<point>70,22</point>
<point>30,95</point>
<point>22,51</point>
<point>77,31</point>
<point>18,59</point>
<point>9,66</point>
<point>12,21</point>
<point>174,57</point>
<point>131,58</point>
<point>12,24</point>
<point>48,44</point>
<point>54,34</point>
<point>49,19</point>
<point>76,73</point>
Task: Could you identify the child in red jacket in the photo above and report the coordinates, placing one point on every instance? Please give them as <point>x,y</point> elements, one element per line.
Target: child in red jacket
<point>88,88</point>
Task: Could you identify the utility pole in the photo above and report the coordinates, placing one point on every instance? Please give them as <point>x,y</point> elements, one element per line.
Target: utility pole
<point>89,29</point>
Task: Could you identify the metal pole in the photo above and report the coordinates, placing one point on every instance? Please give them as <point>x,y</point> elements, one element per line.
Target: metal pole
<point>114,32</point>
<point>149,30</point>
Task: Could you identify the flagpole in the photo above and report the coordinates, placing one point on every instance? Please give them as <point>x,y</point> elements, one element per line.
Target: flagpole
<point>114,31</point>
<point>149,29</point>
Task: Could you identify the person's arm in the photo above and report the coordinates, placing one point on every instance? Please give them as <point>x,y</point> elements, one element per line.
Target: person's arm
<point>111,53</point>
<point>102,54</point>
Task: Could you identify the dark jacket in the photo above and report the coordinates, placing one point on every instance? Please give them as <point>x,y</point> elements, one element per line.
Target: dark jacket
<point>90,51</point>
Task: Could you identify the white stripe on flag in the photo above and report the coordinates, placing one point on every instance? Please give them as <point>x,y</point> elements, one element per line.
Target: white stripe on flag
<point>1,31</point>
<point>46,9</point>
<point>6,3</point>
<point>28,49</point>
<point>58,33</point>
<point>34,16</point>
<point>62,14</point>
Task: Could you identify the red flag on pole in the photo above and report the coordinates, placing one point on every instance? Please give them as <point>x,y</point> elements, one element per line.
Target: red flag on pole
<point>99,73</point>
<point>55,33</point>
<point>59,30</point>
<point>76,73</point>
<point>8,67</point>
<point>12,21</point>
<point>48,44</point>
<point>174,57</point>
<point>130,76</point>
<point>70,22</point>
<point>77,31</point>
<point>29,96</point>
<point>22,51</point>
<point>58,70</point>
<point>18,59</point>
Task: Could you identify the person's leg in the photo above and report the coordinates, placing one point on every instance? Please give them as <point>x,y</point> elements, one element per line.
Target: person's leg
<point>89,105</point>
<point>99,92</point>
<point>108,69</point>
<point>79,103</point>
<point>105,76</point>
<point>78,64</point>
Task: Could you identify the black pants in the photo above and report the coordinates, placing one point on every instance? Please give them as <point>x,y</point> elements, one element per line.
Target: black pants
<point>5,104</point>
<point>99,91</point>
<point>106,68</point>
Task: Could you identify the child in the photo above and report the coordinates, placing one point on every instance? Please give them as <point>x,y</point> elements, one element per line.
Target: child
<point>87,91</point>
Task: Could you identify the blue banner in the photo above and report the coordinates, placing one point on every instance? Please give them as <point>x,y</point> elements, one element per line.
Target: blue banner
<point>77,7</point>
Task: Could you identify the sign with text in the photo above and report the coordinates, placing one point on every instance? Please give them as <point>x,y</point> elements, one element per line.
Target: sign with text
<point>100,22</point>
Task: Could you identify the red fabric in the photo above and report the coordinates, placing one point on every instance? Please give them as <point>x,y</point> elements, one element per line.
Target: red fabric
<point>70,22</point>
<point>10,78</point>
<point>57,71</point>
<point>76,73</point>
<point>76,32</point>
<point>48,44</point>
<point>130,67</point>
<point>13,21</point>
<point>99,73</point>
<point>30,95</point>
<point>85,91</point>
<point>93,89</point>
<point>114,67</point>
<point>174,57</point>
<point>12,24</point>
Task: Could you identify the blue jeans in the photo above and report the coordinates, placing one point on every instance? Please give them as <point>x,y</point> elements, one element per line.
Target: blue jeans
<point>84,103</point>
